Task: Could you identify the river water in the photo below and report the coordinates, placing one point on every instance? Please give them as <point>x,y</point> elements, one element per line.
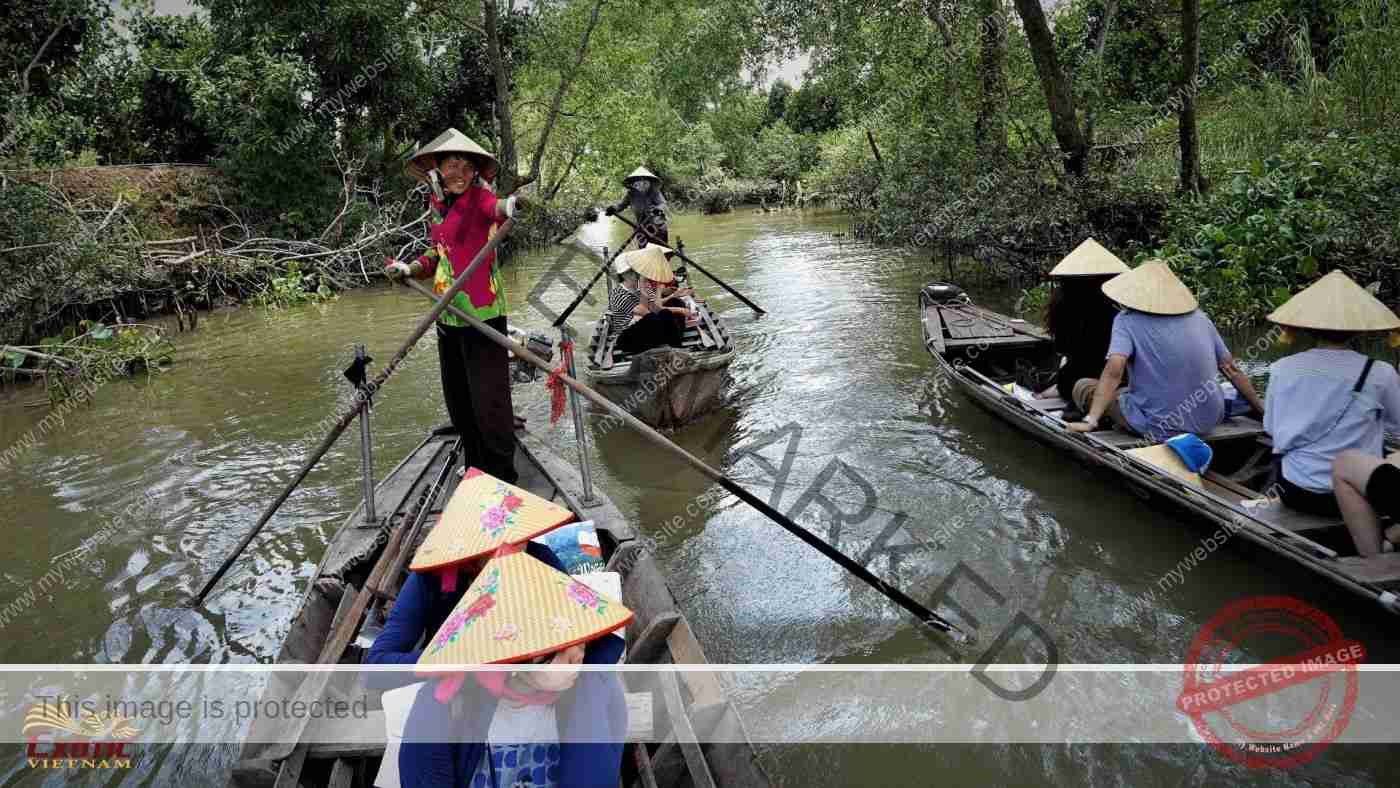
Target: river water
<point>169,472</point>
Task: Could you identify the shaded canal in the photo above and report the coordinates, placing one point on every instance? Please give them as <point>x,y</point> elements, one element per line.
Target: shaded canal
<point>184,462</point>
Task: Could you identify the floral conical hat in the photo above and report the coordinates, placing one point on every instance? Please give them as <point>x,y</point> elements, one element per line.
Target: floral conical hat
<point>484,514</point>
<point>1090,259</point>
<point>519,608</point>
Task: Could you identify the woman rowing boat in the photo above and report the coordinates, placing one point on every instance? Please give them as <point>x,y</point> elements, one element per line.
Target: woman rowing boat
<point>475,371</point>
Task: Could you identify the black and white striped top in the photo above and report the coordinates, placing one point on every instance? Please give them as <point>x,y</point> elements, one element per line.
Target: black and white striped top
<point>620,306</point>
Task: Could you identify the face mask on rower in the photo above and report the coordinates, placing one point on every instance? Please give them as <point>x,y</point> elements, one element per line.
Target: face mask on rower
<point>643,186</point>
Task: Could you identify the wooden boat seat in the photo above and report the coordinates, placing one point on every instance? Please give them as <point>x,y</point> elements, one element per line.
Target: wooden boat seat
<point>1235,428</point>
<point>1274,512</point>
<point>1383,568</point>
<point>364,737</point>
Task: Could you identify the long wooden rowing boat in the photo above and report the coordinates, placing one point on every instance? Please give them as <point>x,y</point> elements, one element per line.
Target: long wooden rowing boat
<point>363,569</point>
<point>996,361</point>
<point>664,387</point>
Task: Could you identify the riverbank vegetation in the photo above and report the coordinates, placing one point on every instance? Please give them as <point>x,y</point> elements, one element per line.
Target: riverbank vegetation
<point>1252,144</point>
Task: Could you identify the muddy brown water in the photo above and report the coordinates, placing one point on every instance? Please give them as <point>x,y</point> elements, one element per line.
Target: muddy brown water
<point>167,472</point>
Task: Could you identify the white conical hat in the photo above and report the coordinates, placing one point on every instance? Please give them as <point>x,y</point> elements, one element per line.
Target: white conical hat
<point>624,261</point>
<point>650,262</point>
<point>519,608</point>
<point>451,141</point>
<point>640,172</point>
<point>1151,288</point>
<point>1336,303</point>
<point>1090,259</point>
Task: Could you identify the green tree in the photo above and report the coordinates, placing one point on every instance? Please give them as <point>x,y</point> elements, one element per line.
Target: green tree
<point>813,109</point>
<point>778,95</point>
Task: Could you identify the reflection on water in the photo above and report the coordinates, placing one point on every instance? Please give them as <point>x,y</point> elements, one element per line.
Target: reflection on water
<point>835,416</point>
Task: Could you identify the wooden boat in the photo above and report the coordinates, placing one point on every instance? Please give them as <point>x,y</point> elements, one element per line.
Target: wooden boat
<point>997,361</point>
<point>362,571</point>
<point>664,387</point>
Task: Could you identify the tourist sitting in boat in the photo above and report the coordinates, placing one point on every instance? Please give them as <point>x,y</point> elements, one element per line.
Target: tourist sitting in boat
<point>475,371</point>
<point>1079,316</point>
<point>504,728</point>
<point>625,302</point>
<point>483,514</point>
<point>648,206</point>
<point>1368,488</point>
<point>419,611</point>
<point>1330,398</point>
<point>658,301</point>
<point>1171,352</point>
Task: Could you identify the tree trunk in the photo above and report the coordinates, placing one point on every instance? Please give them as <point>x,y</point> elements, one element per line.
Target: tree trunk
<point>935,15</point>
<point>989,130</point>
<point>563,176</point>
<point>1110,10</point>
<point>1186,128</point>
<point>1058,96</point>
<point>564,81</point>
<point>505,181</point>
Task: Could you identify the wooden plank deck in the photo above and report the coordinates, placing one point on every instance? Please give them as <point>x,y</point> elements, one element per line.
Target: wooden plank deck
<point>933,329</point>
<point>971,323</point>
<point>1002,342</point>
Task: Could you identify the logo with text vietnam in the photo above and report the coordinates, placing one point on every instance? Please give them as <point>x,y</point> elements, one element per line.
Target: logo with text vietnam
<point>1282,712</point>
<point>73,735</point>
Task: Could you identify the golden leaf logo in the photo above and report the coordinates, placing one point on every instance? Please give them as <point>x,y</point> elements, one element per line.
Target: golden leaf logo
<point>104,725</point>
<point>46,717</point>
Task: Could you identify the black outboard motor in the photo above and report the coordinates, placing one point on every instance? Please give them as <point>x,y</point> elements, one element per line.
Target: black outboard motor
<point>941,293</point>
<point>537,343</point>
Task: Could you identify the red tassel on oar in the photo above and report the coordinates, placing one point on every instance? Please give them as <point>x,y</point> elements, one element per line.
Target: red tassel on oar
<point>555,384</point>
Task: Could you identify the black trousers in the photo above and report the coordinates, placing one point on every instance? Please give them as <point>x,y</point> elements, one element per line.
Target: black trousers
<point>476,386</point>
<point>654,330</point>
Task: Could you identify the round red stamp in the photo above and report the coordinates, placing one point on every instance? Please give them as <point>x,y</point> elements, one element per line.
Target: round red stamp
<point>1270,681</point>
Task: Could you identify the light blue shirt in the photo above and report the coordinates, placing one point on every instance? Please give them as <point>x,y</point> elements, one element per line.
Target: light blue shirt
<point>1172,361</point>
<point>1313,416</point>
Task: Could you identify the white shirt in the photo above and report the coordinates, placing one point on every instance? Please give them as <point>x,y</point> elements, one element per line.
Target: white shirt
<point>513,724</point>
<point>1313,415</point>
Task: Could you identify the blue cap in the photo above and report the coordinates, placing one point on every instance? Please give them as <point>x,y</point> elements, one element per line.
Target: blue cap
<point>1193,451</point>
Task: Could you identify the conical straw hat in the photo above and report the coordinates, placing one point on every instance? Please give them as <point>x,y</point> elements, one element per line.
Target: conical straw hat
<point>650,262</point>
<point>450,141</point>
<point>1335,303</point>
<point>519,608</point>
<point>1090,259</point>
<point>640,172</point>
<point>1151,288</point>
<point>484,514</point>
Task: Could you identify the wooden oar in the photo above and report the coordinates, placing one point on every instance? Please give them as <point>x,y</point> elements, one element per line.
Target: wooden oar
<point>925,616</point>
<point>698,267</point>
<point>425,323</point>
<point>569,310</point>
